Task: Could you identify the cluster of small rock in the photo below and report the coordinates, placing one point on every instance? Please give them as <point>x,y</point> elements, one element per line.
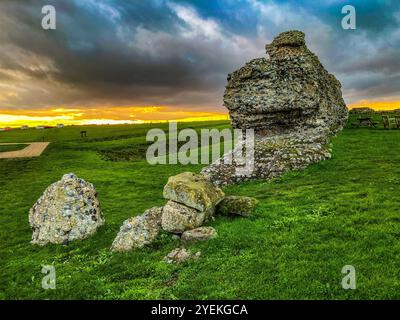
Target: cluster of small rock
<point>192,202</point>
<point>293,104</point>
<point>69,210</point>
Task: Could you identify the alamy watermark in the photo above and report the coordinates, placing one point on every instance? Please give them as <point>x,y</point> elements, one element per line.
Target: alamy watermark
<point>349,281</point>
<point>238,148</point>
<point>49,19</point>
<point>349,20</point>
<point>49,280</point>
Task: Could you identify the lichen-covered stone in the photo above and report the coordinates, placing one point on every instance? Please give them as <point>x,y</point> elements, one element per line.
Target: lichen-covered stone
<point>136,232</point>
<point>286,93</point>
<point>180,255</point>
<point>293,104</point>
<point>68,210</point>
<point>199,234</point>
<point>237,205</point>
<point>177,218</point>
<point>193,190</point>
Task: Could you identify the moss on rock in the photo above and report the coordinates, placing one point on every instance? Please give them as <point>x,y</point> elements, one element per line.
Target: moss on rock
<point>193,190</point>
<point>237,205</point>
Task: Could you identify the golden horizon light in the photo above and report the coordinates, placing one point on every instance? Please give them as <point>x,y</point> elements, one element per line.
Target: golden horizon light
<point>130,115</point>
<point>376,105</point>
<point>99,116</point>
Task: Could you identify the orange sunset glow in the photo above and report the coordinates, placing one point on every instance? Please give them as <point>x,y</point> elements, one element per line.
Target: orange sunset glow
<point>132,115</point>
<point>111,115</point>
<point>376,105</point>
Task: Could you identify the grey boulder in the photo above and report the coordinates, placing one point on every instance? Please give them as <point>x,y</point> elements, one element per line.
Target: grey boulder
<point>136,232</point>
<point>177,218</point>
<point>193,190</point>
<point>68,210</point>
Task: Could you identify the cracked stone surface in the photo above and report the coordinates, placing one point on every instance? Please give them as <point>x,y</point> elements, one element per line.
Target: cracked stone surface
<point>136,232</point>
<point>68,210</point>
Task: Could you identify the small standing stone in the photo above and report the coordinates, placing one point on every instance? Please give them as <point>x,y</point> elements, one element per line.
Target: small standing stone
<point>68,210</point>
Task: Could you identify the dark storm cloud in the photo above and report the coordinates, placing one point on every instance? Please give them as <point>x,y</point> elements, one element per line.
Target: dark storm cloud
<point>113,50</point>
<point>179,53</point>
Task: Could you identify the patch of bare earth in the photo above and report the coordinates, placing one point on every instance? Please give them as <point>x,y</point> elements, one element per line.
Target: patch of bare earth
<point>34,149</point>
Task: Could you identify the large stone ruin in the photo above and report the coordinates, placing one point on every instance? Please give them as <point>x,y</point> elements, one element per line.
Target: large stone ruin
<point>293,104</point>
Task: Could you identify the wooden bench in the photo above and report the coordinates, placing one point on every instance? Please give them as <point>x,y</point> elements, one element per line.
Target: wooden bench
<point>365,122</point>
<point>387,122</point>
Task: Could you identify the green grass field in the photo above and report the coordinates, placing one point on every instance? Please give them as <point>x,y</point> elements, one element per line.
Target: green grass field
<point>12,147</point>
<point>309,224</point>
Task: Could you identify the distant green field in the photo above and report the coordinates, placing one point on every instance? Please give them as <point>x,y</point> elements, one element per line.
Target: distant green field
<point>11,147</point>
<point>309,224</point>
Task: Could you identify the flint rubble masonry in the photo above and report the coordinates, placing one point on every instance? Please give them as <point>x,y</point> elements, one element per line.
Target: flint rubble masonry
<point>293,104</point>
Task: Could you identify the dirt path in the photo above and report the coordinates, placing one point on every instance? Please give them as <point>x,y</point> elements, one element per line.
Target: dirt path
<point>34,149</point>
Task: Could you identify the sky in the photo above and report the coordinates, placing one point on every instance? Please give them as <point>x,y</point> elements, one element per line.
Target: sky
<point>121,61</point>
